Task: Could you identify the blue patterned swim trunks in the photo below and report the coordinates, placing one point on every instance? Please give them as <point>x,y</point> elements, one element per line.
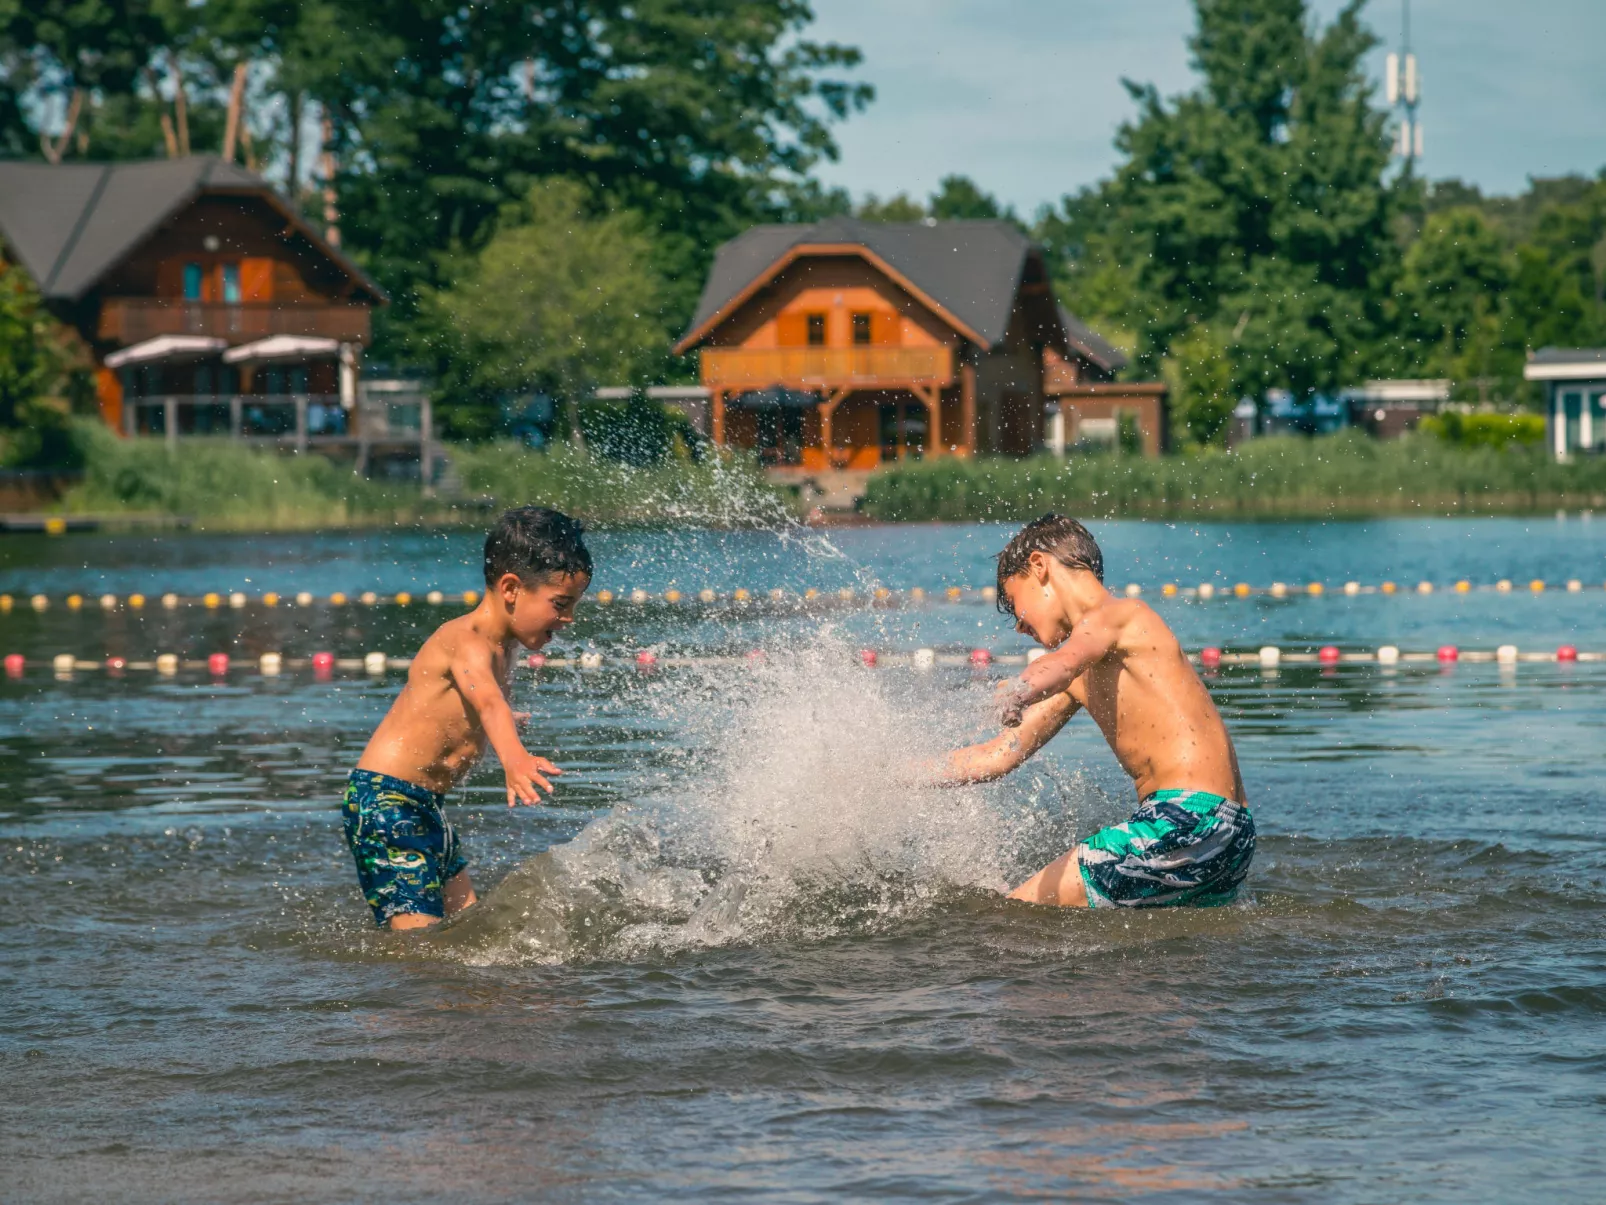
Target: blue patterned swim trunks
<point>1179,847</point>
<point>404,847</point>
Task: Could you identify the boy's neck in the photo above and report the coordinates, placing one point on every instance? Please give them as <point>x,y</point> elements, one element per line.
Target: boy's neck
<point>1077,591</point>
<point>491,618</point>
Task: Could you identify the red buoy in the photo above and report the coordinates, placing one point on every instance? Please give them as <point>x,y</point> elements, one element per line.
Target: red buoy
<point>535,660</point>
<point>14,664</point>
<point>116,665</point>
<point>754,656</point>
<point>218,664</point>
<point>980,657</point>
<point>1567,652</point>
<point>323,664</point>
<point>1210,658</point>
<point>868,657</point>
<point>1328,655</point>
<point>1449,653</point>
<point>646,659</point>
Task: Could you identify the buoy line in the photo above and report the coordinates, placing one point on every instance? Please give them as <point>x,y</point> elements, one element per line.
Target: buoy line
<point>377,664</point>
<point>742,597</point>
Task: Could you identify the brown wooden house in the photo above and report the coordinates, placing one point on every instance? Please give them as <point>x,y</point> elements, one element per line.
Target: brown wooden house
<point>845,343</point>
<point>210,304</point>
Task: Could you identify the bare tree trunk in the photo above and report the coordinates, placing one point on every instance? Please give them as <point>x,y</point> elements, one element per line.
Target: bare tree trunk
<point>326,168</point>
<point>245,141</point>
<point>293,171</point>
<point>161,105</point>
<point>181,106</point>
<point>231,127</point>
<point>54,148</point>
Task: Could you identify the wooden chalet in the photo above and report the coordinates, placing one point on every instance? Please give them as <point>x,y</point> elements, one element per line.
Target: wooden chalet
<point>210,304</point>
<point>844,344</point>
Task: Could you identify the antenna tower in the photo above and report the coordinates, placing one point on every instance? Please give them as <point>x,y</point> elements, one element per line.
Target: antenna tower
<point>1403,89</point>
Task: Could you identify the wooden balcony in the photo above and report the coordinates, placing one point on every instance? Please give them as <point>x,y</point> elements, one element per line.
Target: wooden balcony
<point>826,367</point>
<point>129,320</point>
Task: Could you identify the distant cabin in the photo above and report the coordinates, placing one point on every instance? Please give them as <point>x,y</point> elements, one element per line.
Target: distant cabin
<point>210,304</point>
<point>846,344</point>
<point>1574,381</point>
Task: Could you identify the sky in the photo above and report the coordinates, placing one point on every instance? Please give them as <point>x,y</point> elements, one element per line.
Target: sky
<point>1025,96</point>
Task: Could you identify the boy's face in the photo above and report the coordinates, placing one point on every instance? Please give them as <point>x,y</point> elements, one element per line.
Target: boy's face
<point>1037,612</point>
<point>539,610</point>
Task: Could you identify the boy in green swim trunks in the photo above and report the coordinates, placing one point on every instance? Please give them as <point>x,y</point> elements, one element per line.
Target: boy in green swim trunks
<point>1192,838</point>
<point>409,864</point>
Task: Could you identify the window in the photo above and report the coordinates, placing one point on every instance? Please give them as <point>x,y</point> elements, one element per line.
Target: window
<point>231,284</point>
<point>193,278</point>
<point>861,330</point>
<point>816,327</point>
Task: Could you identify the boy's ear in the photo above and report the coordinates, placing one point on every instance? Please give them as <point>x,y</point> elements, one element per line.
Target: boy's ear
<point>508,586</point>
<point>1037,566</point>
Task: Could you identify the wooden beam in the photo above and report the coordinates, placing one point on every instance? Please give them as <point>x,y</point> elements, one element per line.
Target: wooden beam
<point>967,409</point>
<point>231,126</point>
<point>717,426</point>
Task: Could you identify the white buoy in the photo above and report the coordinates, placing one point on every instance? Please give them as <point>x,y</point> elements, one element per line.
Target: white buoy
<point>989,593</point>
<point>777,595</point>
<point>1352,588</point>
<point>1279,589</point>
<point>236,600</point>
<point>638,596</point>
<point>1206,591</point>
<point>1034,654</point>
<point>108,602</point>
<point>1270,657</point>
<point>1388,655</point>
<point>1506,654</point>
<point>1133,590</point>
<point>925,658</point>
<point>167,664</point>
<point>270,664</point>
<point>304,599</point>
<point>62,663</point>
<point>374,663</point>
<point>170,601</point>
<point>706,595</point>
<point>590,660</point>
<point>434,598</point>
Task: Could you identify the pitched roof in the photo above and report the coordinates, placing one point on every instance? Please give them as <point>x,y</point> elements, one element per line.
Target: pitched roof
<point>69,224</point>
<point>971,269</point>
<point>1088,342</point>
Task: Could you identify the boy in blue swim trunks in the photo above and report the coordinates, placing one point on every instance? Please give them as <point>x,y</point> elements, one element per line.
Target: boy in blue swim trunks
<point>1192,838</point>
<point>411,868</point>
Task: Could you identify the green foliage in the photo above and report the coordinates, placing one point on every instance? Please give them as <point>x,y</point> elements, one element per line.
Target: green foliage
<point>1279,477</point>
<point>1254,204</point>
<point>225,485</point>
<point>558,301</point>
<point>39,374</point>
<point>637,432</point>
<point>1485,430</point>
<point>1198,374</point>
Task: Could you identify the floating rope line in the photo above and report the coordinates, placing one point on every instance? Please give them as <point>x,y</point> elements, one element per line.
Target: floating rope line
<point>378,664</point>
<point>742,597</point>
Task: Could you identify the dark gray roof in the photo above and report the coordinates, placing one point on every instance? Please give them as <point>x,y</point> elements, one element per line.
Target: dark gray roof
<point>69,224</point>
<point>1087,341</point>
<point>1569,355</point>
<point>971,269</point>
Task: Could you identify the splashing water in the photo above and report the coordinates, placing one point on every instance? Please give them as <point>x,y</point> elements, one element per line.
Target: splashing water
<point>793,816</point>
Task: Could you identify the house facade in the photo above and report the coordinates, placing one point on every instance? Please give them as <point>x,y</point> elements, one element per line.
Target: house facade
<point>211,306</point>
<point>1574,380</point>
<point>846,344</point>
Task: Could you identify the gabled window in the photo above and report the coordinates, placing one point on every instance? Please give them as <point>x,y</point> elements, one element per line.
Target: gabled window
<point>194,281</point>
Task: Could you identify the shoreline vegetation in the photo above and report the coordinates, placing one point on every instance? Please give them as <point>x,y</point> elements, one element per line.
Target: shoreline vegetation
<point>1346,475</point>
<point>224,486</point>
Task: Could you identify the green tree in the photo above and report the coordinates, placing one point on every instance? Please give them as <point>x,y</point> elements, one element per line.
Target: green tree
<point>961,197</point>
<point>1198,373</point>
<point>558,301</point>
<point>1254,204</point>
<point>39,375</point>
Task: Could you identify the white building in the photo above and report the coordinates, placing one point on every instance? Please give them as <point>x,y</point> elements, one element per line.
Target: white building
<point>1575,397</point>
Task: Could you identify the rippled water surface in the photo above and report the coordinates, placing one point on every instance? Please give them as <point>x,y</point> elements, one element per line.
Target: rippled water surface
<point>737,956</point>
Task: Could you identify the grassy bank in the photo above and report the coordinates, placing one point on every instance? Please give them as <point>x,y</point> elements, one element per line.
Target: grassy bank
<point>1345,474</point>
<point>221,485</point>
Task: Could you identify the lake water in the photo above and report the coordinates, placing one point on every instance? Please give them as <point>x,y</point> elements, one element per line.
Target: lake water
<point>735,957</point>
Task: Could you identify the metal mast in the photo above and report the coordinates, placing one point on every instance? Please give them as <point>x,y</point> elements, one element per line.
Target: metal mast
<point>1404,92</point>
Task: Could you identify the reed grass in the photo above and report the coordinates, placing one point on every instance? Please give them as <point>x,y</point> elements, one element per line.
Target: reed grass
<point>1280,477</point>
<point>218,484</point>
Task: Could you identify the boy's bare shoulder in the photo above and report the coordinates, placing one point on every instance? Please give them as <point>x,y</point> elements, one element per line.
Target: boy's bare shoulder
<point>450,641</point>
<point>1139,625</point>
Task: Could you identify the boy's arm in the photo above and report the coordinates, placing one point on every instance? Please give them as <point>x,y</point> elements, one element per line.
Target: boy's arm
<point>1091,640</point>
<point>997,757</point>
<point>474,675</point>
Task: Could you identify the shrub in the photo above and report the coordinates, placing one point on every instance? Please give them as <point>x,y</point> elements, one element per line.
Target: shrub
<point>1483,430</point>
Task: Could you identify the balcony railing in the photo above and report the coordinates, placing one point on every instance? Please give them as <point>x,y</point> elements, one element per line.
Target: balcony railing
<point>826,367</point>
<point>302,421</point>
<point>134,319</point>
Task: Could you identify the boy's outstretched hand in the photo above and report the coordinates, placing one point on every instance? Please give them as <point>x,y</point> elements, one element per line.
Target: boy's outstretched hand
<point>526,777</point>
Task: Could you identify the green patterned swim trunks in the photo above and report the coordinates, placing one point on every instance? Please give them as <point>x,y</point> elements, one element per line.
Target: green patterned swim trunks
<point>1179,847</point>
<point>403,845</point>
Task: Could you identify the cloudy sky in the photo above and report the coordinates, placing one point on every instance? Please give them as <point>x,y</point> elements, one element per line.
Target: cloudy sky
<point>1025,95</point>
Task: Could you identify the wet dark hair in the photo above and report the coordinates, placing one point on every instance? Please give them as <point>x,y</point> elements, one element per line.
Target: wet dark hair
<point>1066,540</point>
<point>535,542</point>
